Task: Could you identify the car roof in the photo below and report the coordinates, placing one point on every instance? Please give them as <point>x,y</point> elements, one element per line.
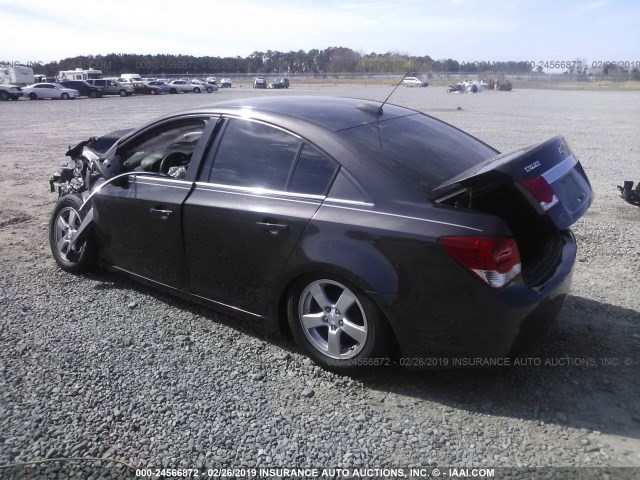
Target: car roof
<point>330,113</point>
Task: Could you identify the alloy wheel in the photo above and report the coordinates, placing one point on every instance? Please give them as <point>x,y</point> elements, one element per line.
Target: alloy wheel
<point>333,319</point>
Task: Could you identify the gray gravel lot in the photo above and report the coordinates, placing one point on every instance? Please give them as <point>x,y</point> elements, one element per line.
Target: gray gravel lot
<point>100,366</point>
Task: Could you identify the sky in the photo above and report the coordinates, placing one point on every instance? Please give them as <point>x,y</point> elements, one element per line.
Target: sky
<point>38,31</point>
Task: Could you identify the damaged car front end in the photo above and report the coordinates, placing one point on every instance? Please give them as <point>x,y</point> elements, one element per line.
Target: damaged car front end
<point>72,218</point>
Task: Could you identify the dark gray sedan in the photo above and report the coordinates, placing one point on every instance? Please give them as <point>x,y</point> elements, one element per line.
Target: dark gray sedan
<point>373,233</point>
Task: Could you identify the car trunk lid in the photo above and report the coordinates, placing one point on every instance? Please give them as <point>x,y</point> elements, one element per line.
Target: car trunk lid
<point>547,174</point>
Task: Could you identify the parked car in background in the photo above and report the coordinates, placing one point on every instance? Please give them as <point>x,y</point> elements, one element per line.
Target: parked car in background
<point>205,86</point>
<point>413,82</point>
<point>259,82</point>
<point>131,78</point>
<point>10,92</point>
<point>163,87</point>
<point>282,82</point>
<point>49,90</point>
<point>225,83</point>
<point>212,80</point>
<point>112,87</point>
<point>177,86</point>
<point>367,230</point>
<point>85,89</point>
<point>141,88</point>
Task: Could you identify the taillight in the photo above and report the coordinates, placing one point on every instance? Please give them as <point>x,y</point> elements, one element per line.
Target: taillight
<point>496,260</point>
<point>541,191</point>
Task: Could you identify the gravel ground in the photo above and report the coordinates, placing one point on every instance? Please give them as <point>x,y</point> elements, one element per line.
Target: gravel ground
<point>100,366</point>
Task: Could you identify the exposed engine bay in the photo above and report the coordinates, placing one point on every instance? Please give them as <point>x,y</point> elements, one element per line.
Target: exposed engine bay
<point>83,170</point>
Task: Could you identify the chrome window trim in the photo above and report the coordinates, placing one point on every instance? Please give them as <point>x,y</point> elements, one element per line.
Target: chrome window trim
<point>261,193</point>
<point>160,179</point>
<point>350,202</point>
<point>181,187</point>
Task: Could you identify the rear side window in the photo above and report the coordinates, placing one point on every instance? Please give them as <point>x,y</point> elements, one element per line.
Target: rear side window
<point>419,149</point>
<point>252,154</point>
<point>313,172</point>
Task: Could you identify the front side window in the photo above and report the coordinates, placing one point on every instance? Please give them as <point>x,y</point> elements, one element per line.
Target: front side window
<point>165,149</point>
<point>252,154</point>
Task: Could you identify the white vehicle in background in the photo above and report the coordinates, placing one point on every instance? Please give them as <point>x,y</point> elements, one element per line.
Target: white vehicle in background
<point>20,76</point>
<point>413,82</point>
<point>42,78</point>
<point>50,90</point>
<point>206,86</point>
<point>212,80</point>
<point>131,78</point>
<point>11,79</point>
<point>79,74</point>
<point>10,92</point>
<point>184,86</point>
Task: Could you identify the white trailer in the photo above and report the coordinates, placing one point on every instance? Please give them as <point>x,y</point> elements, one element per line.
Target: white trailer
<point>12,78</point>
<point>79,74</point>
<point>18,75</point>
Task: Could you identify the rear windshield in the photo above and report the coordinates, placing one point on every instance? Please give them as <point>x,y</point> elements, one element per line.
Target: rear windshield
<point>423,151</point>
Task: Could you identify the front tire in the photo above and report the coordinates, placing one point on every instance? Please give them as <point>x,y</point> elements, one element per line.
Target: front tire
<point>196,90</point>
<point>336,324</point>
<point>64,96</point>
<point>93,94</point>
<point>122,93</point>
<point>33,96</point>
<point>4,96</point>
<point>65,220</point>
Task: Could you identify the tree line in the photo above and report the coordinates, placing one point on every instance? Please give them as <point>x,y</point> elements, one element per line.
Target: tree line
<point>329,60</point>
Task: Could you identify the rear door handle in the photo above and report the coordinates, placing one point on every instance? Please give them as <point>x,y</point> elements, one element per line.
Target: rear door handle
<point>272,228</point>
<point>160,213</point>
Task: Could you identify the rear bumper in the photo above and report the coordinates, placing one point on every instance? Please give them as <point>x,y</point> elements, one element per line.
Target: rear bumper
<point>463,321</point>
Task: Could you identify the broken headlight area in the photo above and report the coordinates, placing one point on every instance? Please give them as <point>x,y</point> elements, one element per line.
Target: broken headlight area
<point>79,173</point>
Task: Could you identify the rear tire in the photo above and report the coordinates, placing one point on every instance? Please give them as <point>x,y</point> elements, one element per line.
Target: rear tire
<point>173,90</point>
<point>122,93</point>
<point>153,91</point>
<point>65,220</point>
<point>336,324</point>
<point>196,90</point>
<point>4,96</point>
<point>93,94</point>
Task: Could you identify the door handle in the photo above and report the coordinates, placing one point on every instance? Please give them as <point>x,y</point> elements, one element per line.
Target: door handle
<point>159,213</point>
<point>272,228</point>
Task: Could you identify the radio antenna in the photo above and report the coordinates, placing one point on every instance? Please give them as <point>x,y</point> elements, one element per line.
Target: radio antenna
<point>396,87</point>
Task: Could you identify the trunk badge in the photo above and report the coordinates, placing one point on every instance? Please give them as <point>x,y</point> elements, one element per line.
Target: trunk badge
<point>532,166</point>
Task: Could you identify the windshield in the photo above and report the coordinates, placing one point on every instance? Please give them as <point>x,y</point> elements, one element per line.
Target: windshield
<point>419,149</point>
